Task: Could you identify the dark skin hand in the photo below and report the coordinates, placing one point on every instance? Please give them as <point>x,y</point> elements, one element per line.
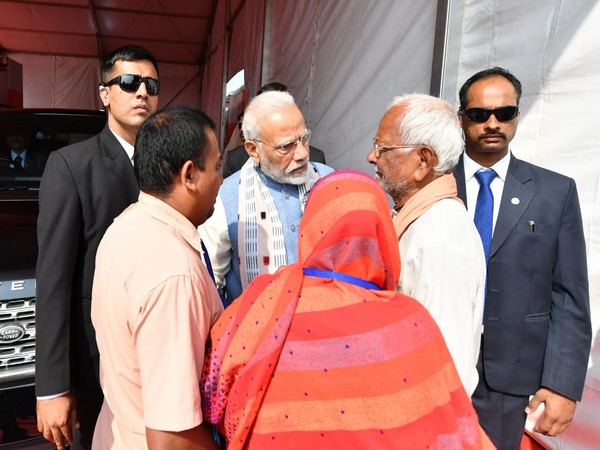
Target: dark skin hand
<point>558,413</point>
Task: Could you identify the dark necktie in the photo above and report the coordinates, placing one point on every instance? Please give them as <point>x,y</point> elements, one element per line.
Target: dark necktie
<point>18,161</point>
<point>207,262</point>
<point>209,268</point>
<point>484,211</point>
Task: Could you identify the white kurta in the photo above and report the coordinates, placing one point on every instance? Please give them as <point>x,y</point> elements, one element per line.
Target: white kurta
<point>444,268</point>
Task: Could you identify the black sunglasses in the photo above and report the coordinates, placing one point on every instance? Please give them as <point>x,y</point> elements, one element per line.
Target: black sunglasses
<point>131,83</point>
<point>482,115</point>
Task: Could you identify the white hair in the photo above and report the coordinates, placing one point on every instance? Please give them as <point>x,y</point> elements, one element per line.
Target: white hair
<point>432,122</point>
<point>261,106</point>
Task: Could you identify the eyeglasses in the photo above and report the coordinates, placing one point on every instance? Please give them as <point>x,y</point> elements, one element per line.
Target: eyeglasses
<point>131,83</point>
<point>289,147</point>
<point>379,149</point>
<point>482,115</point>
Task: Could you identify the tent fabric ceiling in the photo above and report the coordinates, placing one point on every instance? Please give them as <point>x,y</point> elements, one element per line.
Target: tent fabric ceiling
<point>175,31</point>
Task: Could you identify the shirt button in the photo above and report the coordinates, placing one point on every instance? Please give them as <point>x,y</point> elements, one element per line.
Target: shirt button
<point>293,227</point>
<point>286,195</point>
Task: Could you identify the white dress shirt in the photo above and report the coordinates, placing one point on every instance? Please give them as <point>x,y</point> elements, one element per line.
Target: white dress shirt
<point>126,145</point>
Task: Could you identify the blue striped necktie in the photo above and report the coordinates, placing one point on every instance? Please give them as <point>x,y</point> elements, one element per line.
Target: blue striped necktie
<point>484,210</point>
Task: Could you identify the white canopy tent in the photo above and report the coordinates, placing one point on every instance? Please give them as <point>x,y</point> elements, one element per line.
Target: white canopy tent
<point>344,61</point>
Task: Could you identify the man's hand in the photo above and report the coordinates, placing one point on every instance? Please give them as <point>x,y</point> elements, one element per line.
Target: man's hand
<point>558,414</point>
<point>56,418</point>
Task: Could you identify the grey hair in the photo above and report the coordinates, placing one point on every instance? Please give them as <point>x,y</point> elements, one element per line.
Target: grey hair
<point>432,122</point>
<point>262,105</point>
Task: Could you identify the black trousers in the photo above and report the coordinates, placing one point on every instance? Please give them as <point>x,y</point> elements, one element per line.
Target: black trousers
<point>501,415</point>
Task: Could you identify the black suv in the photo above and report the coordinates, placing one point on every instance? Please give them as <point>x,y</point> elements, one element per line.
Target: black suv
<point>39,132</point>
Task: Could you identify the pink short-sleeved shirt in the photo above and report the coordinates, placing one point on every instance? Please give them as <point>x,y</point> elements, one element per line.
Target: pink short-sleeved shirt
<point>153,303</point>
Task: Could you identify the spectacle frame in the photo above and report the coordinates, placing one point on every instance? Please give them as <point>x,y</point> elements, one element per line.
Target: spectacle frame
<point>482,115</point>
<point>289,147</point>
<point>379,149</point>
<point>131,83</point>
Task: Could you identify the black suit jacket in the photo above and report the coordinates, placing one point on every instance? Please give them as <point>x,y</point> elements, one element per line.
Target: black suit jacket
<point>84,187</point>
<point>237,157</point>
<point>537,329</point>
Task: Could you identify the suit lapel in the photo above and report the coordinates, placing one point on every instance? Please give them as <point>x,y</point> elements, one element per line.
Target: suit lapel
<point>459,175</point>
<point>119,165</point>
<point>515,199</point>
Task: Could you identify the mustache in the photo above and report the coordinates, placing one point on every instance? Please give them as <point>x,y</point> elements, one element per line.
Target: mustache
<point>496,134</point>
<point>296,166</point>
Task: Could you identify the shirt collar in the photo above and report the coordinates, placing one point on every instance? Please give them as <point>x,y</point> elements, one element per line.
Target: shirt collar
<point>14,154</point>
<point>472,167</point>
<point>170,216</point>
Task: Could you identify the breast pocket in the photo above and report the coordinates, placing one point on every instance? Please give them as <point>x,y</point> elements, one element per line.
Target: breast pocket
<point>533,228</point>
<point>536,243</point>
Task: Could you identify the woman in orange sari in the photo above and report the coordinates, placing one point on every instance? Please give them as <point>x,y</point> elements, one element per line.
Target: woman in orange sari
<point>324,354</point>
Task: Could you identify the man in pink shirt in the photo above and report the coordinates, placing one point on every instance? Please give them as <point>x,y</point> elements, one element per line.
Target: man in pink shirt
<point>153,299</point>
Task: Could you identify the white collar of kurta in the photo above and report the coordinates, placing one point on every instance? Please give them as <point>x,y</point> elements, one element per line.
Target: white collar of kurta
<point>261,241</point>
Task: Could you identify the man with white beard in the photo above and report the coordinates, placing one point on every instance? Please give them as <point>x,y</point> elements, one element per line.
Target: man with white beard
<point>254,228</point>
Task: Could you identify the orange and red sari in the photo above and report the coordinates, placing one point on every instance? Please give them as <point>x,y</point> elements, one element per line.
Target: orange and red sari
<point>332,357</point>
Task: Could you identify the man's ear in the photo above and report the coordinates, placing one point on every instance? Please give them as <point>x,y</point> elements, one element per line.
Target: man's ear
<point>427,161</point>
<point>188,177</point>
<point>103,92</point>
<point>252,150</point>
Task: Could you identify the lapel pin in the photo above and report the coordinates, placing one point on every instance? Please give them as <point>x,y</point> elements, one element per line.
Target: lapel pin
<point>515,201</point>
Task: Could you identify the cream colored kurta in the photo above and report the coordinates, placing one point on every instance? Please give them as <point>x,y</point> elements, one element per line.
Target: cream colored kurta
<point>153,303</point>
<point>443,267</point>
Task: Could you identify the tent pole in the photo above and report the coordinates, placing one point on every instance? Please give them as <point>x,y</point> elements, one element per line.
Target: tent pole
<point>439,48</point>
<point>227,44</point>
<point>264,70</point>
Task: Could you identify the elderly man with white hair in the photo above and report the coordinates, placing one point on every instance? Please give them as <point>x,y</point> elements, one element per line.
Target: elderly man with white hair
<point>254,229</point>
<point>417,145</point>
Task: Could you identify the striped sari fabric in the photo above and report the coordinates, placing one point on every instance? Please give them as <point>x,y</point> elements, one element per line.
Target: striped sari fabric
<point>336,359</point>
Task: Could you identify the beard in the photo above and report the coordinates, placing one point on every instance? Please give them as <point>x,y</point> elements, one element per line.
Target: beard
<point>395,189</point>
<point>284,175</point>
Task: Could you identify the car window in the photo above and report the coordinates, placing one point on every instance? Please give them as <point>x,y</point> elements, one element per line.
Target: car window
<point>37,134</point>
